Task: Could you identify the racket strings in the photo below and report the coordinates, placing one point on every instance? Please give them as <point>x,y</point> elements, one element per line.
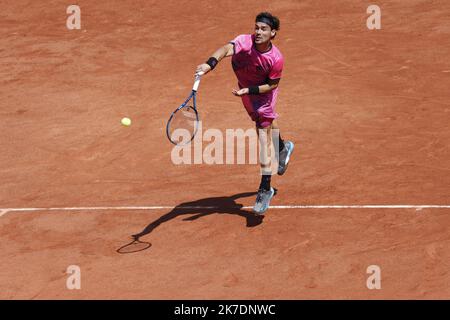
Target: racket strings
<point>183,125</point>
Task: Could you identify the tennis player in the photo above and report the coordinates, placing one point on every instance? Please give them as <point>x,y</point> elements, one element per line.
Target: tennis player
<point>258,65</point>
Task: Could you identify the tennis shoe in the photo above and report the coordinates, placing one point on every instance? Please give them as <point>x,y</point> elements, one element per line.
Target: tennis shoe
<point>284,156</point>
<point>263,200</point>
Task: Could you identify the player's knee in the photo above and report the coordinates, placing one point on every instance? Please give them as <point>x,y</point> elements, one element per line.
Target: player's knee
<point>264,123</point>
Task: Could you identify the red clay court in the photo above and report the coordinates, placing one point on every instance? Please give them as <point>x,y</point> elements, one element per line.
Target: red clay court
<point>368,110</point>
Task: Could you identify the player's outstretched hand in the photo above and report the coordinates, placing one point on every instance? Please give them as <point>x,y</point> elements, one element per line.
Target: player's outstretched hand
<point>205,68</point>
<point>240,93</point>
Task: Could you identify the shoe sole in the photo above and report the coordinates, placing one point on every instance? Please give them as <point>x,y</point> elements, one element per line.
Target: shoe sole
<point>280,173</point>
<point>260,213</point>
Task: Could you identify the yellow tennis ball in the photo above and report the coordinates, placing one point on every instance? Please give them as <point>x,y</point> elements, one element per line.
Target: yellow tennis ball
<point>126,121</point>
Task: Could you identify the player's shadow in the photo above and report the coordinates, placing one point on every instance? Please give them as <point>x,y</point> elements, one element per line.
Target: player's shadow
<point>204,207</point>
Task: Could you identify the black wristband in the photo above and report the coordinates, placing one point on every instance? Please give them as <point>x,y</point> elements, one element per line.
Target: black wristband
<point>253,90</point>
<point>212,62</point>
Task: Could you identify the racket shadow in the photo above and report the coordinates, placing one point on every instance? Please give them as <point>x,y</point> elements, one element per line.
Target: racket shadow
<point>205,207</point>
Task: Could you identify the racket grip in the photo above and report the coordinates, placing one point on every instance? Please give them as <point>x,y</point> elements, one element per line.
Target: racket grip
<point>197,81</point>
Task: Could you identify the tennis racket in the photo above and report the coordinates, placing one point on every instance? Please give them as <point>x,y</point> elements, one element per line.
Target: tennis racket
<point>184,122</point>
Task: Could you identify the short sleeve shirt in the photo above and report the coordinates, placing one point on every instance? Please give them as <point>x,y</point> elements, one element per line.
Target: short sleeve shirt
<point>254,68</point>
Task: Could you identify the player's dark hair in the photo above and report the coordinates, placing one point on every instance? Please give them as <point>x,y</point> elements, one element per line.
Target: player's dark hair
<point>268,18</point>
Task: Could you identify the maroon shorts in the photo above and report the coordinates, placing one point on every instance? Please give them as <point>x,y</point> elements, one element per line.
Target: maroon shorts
<point>261,108</point>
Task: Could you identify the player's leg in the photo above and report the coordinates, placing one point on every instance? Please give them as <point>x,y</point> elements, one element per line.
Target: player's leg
<point>267,117</point>
<point>270,127</point>
<point>285,149</point>
<point>265,191</point>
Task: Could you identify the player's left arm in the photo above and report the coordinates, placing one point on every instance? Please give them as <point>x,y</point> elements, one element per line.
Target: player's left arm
<point>271,84</point>
<point>267,87</point>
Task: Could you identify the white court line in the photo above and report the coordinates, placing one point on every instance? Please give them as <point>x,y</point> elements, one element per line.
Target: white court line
<point>3,211</point>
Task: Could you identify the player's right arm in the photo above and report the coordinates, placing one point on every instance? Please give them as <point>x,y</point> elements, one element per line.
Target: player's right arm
<point>225,51</point>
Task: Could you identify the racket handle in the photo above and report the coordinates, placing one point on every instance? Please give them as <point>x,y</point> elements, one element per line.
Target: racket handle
<point>197,80</point>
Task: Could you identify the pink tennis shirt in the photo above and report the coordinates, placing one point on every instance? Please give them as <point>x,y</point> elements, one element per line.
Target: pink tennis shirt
<point>254,68</point>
